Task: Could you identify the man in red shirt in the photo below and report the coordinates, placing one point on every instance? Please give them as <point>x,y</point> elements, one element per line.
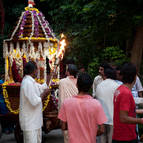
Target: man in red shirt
<point>124,120</point>
<point>82,115</point>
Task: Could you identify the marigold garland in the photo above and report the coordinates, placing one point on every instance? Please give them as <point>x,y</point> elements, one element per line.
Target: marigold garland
<point>38,38</point>
<point>31,9</point>
<point>45,104</point>
<point>8,104</point>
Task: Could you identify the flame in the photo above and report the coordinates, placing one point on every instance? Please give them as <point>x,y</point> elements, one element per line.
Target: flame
<point>62,35</point>
<point>63,43</point>
<point>62,48</point>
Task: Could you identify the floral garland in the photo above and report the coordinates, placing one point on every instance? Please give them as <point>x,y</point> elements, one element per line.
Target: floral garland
<point>22,25</point>
<point>31,9</point>
<point>38,38</point>
<point>17,26</point>
<point>8,104</point>
<point>55,98</point>
<point>45,104</point>
<point>42,26</point>
<point>32,16</point>
<point>45,24</point>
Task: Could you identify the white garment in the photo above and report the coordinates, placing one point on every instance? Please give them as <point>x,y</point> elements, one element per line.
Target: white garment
<point>138,100</point>
<point>105,93</point>
<point>67,88</point>
<point>30,114</point>
<point>98,79</point>
<point>34,136</point>
<point>138,84</point>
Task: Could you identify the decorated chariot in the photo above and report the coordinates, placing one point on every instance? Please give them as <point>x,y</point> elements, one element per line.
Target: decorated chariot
<point>32,39</point>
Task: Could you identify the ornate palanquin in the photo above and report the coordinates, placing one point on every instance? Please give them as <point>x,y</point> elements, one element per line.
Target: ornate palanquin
<point>32,39</point>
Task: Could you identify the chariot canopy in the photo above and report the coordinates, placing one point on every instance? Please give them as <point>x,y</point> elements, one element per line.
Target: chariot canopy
<point>32,39</point>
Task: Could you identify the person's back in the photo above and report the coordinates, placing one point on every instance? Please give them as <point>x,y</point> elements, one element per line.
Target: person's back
<point>67,86</point>
<point>105,93</point>
<point>84,115</point>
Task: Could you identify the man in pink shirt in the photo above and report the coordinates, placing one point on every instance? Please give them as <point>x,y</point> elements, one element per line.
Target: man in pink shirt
<point>82,115</point>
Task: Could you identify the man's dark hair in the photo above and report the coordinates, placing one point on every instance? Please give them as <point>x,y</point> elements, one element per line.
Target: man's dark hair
<point>84,82</point>
<point>110,73</point>
<point>105,65</point>
<point>29,68</point>
<point>118,68</point>
<point>72,69</point>
<point>128,72</point>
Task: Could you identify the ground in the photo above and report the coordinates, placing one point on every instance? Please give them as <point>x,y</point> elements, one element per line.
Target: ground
<point>54,136</point>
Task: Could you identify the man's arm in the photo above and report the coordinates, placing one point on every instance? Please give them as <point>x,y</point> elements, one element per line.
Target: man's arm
<point>139,111</point>
<point>124,118</point>
<point>45,93</point>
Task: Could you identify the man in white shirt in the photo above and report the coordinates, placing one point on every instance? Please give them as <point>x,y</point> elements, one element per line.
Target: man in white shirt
<point>137,88</point>
<point>105,93</point>
<point>30,114</point>
<point>99,78</point>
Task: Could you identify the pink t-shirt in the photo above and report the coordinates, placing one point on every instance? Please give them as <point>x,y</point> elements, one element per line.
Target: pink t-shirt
<point>83,114</point>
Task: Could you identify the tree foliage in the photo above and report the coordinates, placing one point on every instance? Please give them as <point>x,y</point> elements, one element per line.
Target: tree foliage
<point>94,24</point>
<point>90,25</point>
<point>114,55</point>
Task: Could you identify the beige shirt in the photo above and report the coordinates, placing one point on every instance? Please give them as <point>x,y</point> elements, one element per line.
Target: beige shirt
<point>30,114</point>
<point>67,88</point>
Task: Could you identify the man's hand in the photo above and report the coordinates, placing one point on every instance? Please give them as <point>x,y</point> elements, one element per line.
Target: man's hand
<point>139,111</point>
<point>100,130</point>
<point>64,125</point>
<point>45,93</point>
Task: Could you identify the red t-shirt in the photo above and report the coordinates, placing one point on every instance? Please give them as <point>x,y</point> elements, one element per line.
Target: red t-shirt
<point>123,100</point>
